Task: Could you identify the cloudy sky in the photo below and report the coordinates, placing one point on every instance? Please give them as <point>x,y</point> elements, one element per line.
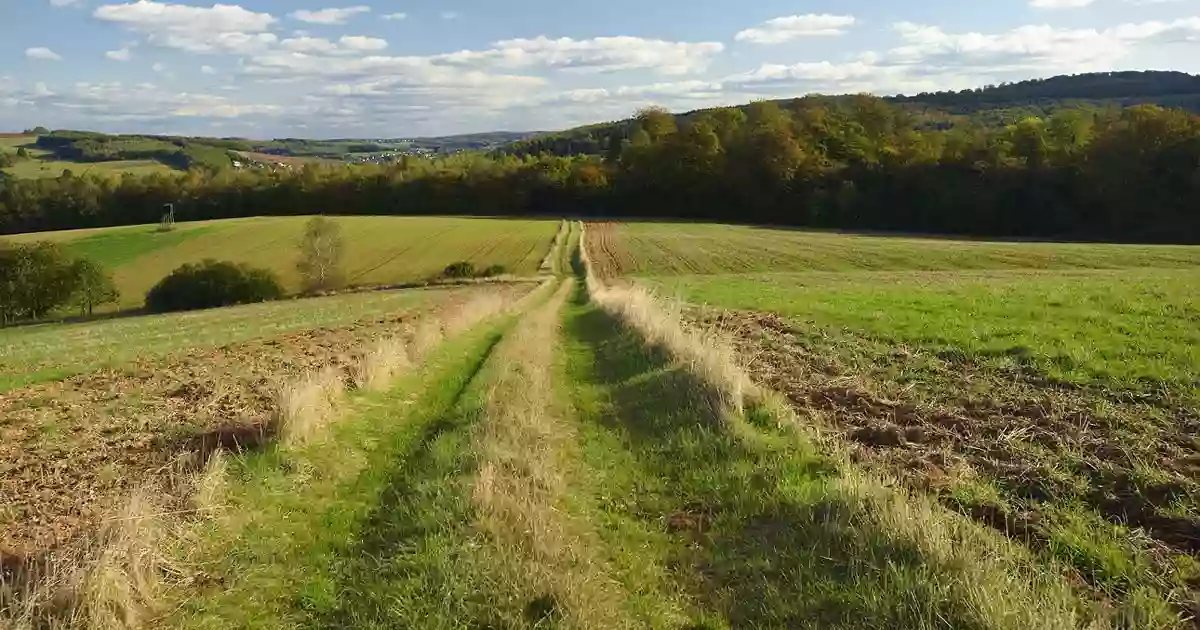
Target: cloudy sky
<point>394,68</point>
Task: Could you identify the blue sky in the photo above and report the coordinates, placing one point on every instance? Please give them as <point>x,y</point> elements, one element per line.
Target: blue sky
<point>395,68</point>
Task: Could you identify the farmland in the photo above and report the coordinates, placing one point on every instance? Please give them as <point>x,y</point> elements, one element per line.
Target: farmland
<point>379,250</point>
<point>42,163</point>
<point>800,430</point>
<point>1047,390</point>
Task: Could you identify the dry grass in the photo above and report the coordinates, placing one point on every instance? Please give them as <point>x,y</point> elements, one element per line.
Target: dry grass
<point>550,262</point>
<point>708,354</point>
<point>305,406</point>
<point>525,452</point>
<point>976,568</point>
<point>120,577</point>
<point>115,581</point>
<point>379,364</point>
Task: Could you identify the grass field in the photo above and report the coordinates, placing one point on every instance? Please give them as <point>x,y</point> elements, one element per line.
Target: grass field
<point>41,163</point>
<point>680,248</point>
<point>1048,390</point>
<point>379,250</point>
<point>32,354</point>
<point>978,435</point>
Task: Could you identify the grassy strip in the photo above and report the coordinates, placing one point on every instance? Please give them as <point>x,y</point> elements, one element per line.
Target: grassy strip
<point>760,528</point>
<point>297,524</point>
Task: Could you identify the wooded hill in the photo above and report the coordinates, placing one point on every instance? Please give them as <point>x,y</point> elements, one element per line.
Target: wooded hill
<point>985,107</point>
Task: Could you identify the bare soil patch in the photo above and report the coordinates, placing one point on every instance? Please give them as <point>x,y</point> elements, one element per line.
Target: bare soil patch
<point>70,450</point>
<point>941,423</point>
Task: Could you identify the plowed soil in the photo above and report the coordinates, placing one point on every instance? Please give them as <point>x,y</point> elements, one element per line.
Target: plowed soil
<point>1133,459</point>
<point>70,450</point>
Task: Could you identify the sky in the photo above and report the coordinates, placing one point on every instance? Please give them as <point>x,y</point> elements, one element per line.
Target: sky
<point>404,68</point>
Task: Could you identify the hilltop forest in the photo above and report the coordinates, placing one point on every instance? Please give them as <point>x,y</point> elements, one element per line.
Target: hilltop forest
<point>854,163</point>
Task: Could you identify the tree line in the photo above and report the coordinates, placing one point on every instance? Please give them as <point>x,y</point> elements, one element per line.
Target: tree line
<point>856,163</point>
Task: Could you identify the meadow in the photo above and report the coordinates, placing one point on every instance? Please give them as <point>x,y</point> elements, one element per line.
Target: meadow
<point>1047,390</point>
<point>379,250</point>
<point>42,164</point>
<point>782,434</point>
<point>47,352</point>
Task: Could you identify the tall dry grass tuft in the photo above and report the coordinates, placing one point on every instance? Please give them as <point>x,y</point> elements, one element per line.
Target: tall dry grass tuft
<point>378,366</point>
<point>708,355</point>
<point>525,455</point>
<point>306,405</point>
<point>210,484</point>
<point>550,262</point>
<point>115,581</point>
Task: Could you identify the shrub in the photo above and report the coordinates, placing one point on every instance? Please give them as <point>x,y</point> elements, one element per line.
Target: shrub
<point>35,279</point>
<point>211,284</point>
<point>459,270</point>
<point>493,271</point>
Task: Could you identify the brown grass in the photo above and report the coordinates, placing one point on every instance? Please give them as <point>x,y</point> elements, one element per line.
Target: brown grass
<point>550,262</point>
<point>991,575</point>
<point>708,354</point>
<point>121,575</point>
<point>526,453</point>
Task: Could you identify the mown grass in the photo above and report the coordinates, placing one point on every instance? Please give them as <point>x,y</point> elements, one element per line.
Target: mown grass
<point>379,250</point>
<point>684,248</point>
<point>315,538</point>
<point>1055,405</point>
<point>31,354</point>
<point>1130,329</point>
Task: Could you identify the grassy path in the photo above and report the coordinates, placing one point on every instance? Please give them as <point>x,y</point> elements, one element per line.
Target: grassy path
<point>553,471</point>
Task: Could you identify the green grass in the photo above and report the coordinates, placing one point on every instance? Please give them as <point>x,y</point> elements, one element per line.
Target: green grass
<point>315,550</point>
<point>1132,329</point>
<point>31,354</point>
<point>1045,389</point>
<point>42,163</point>
<point>695,519</point>
<point>681,248</point>
<point>379,250</point>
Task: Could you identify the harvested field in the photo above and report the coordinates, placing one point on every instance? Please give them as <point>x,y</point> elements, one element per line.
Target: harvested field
<point>659,249</point>
<point>1056,406</point>
<point>33,354</point>
<point>71,449</point>
<point>379,250</point>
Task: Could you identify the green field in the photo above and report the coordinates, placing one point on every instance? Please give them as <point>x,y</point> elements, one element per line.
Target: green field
<point>953,434</point>
<point>681,248</point>
<point>42,164</point>
<point>379,250</point>
<point>31,354</point>
<point>1048,390</point>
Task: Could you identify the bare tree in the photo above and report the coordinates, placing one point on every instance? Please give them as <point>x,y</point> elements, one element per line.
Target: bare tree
<point>321,252</point>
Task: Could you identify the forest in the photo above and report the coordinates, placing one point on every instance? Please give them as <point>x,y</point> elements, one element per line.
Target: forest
<point>851,163</point>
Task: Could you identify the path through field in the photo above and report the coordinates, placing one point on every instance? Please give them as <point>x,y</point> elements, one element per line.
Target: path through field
<point>557,468</point>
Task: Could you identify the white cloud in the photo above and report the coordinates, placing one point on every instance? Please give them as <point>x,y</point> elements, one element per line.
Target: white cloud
<point>786,29</point>
<point>221,28</point>
<point>42,54</point>
<point>64,3</point>
<point>362,44</point>
<point>601,54</point>
<point>123,54</point>
<point>1038,49</point>
<point>395,16</point>
<point>1060,4</point>
<point>329,16</point>
<point>207,70</point>
<point>449,15</point>
<point>159,67</point>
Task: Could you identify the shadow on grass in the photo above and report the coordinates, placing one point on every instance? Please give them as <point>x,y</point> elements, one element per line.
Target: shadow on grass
<point>759,536</point>
<point>403,570</point>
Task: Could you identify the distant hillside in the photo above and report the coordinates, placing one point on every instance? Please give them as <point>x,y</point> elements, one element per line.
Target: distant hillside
<point>989,106</point>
